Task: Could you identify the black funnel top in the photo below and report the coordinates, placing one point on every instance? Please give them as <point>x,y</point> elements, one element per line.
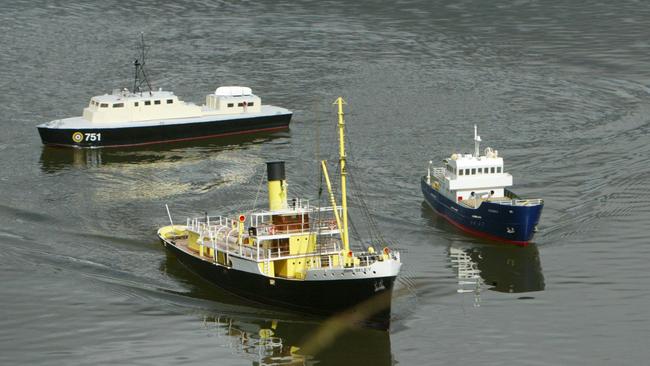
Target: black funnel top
<point>275,170</point>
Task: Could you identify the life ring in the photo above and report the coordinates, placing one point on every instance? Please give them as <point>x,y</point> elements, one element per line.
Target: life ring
<point>272,230</point>
<point>77,137</point>
<point>386,250</point>
<point>332,225</point>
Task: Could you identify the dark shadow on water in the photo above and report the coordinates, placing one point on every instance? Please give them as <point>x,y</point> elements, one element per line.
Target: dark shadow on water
<point>54,159</point>
<point>266,335</point>
<point>481,263</point>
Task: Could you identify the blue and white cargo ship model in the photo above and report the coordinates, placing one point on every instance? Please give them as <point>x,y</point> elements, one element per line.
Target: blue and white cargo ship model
<point>470,191</point>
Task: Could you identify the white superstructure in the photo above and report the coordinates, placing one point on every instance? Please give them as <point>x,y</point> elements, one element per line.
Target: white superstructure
<point>124,106</point>
<point>472,176</point>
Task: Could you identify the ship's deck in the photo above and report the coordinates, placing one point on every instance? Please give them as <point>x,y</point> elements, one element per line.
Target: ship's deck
<point>251,252</point>
<point>511,199</point>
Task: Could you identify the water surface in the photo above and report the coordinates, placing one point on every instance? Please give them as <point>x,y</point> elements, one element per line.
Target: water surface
<point>558,87</point>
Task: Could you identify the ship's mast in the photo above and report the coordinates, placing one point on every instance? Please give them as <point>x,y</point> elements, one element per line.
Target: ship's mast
<point>140,74</point>
<point>344,202</point>
<point>477,141</point>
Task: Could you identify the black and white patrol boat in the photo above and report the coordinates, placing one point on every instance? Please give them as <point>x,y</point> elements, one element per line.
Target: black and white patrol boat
<point>470,192</point>
<point>295,255</point>
<point>138,117</point>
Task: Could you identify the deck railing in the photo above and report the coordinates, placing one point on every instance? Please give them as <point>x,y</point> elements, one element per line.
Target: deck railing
<point>438,173</point>
<point>517,202</point>
<point>220,233</point>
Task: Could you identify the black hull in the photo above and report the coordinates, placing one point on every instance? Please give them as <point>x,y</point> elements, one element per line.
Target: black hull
<point>169,132</point>
<point>354,297</point>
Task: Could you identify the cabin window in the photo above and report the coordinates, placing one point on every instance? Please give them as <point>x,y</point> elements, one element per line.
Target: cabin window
<point>136,104</point>
<point>473,171</point>
<point>156,102</point>
<point>240,104</point>
<point>170,101</point>
<point>466,171</point>
<point>147,102</point>
<point>250,104</point>
<point>498,169</point>
<point>480,170</point>
<point>230,105</point>
<point>492,170</point>
<point>104,105</point>
<point>118,105</point>
<point>460,171</point>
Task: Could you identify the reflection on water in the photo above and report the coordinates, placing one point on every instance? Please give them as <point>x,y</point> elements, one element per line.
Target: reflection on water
<point>54,159</point>
<point>502,268</point>
<point>256,341</point>
<point>267,336</point>
<point>277,342</point>
<point>480,264</point>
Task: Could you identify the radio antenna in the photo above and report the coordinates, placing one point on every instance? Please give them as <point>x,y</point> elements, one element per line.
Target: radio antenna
<point>140,74</point>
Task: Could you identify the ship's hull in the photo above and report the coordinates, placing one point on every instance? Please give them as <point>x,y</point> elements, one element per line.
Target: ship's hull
<point>168,131</point>
<point>507,223</point>
<point>367,300</point>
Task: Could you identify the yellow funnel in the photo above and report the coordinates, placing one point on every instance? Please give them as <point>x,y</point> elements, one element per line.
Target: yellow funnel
<point>277,185</point>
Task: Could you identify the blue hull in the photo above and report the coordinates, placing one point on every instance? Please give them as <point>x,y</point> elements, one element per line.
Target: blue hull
<point>510,223</point>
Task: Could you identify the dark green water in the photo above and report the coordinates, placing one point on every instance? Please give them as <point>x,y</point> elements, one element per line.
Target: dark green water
<point>559,87</point>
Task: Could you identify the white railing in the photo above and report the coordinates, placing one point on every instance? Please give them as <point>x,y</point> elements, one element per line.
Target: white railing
<point>268,229</point>
<point>517,202</point>
<point>204,223</point>
<point>438,172</point>
<point>223,234</point>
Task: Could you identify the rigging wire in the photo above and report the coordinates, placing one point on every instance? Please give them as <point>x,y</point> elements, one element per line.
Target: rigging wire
<point>358,194</point>
<point>259,188</point>
<point>406,278</point>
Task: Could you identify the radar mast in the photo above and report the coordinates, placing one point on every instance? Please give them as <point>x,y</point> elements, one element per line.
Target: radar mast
<point>140,74</point>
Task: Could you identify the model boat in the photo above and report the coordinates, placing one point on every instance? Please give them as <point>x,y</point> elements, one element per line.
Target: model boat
<point>295,255</point>
<point>470,191</point>
<point>144,116</point>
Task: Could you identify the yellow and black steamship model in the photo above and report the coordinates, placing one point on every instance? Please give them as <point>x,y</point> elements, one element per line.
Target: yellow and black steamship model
<point>293,255</point>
